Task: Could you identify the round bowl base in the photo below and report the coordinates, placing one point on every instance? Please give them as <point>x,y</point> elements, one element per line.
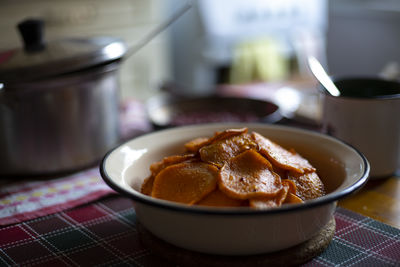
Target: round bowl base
<point>296,255</point>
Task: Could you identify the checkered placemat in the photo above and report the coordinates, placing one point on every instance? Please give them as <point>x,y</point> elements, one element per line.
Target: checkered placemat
<point>104,234</point>
<point>29,200</point>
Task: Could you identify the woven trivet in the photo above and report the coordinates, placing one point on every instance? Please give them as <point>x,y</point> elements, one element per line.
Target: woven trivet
<point>296,255</point>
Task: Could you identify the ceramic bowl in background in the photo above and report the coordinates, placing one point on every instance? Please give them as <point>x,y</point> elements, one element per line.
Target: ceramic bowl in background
<point>168,110</point>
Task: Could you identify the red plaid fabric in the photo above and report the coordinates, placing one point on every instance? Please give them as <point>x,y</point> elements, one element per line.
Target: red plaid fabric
<point>104,234</point>
<point>24,201</point>
<point>45,230</point>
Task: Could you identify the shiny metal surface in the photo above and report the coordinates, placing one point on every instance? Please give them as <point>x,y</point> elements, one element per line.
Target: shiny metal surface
<point>59,124</point>
<point>59,57</point>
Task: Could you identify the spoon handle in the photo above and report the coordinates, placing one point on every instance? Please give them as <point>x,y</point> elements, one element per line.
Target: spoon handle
<point>158,29</point>
<point>322,76</point>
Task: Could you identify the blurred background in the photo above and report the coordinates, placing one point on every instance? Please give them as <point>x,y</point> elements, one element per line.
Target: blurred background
<point>239,43</point>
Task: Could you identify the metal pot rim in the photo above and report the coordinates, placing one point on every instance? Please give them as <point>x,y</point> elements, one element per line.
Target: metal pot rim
<point>62,80</point>
<point>59,57</point>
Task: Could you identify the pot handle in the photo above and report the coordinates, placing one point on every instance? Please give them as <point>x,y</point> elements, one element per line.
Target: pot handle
<point>32,33</point>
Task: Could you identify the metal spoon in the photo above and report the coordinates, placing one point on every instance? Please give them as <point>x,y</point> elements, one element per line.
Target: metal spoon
<point>322,76</point>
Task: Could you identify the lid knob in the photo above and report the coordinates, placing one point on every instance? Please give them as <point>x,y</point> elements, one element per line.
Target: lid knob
<point>32,33</point>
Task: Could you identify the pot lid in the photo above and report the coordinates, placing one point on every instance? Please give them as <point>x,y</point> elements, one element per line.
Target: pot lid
<point>39,59</point>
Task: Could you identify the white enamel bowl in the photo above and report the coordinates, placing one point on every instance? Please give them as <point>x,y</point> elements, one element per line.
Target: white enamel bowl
<point>235,231</point>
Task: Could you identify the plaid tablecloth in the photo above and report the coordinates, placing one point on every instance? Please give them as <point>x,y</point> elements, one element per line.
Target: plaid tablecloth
<point>104,233</point>
<point>28,200</point>
<point>79,221</point>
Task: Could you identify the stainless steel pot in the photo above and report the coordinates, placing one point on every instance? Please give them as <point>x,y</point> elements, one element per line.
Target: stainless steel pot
<point>58,104</point>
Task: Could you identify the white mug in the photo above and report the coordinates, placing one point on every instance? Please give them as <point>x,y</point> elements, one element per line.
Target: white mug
<point>367,116</point>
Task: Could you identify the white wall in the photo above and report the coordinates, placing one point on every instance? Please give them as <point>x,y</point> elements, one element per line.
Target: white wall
<point>130,20</point>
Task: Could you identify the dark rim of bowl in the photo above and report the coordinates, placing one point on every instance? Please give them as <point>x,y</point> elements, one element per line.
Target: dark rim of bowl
<point>331,197</point>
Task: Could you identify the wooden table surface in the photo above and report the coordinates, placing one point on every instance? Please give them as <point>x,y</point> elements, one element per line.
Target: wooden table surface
<point>378,199</point>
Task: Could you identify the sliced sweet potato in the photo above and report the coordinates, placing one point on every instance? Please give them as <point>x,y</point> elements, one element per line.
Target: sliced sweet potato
<point>194,145</point>
<point>265,202</point>
<point>281,172</point>
<point>227,133</point>
<point>292,199</point>
<point>186,182</point>
<point>219,152</point>
<point>288,160</point>
<point>231,169</point>
<point>156,167</point>
<point>147,185</point>
<point>309,185</point>
<point>249,175</point>
<point>218,199</point>
<point>291,185</point>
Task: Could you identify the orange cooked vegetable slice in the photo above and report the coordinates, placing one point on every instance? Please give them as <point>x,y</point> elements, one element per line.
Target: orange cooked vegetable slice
<point>156,167</point>
<point>194,145</point>
<point>221,151</point>
<point>281,172</point>
<point>265,203</point>
<point>309,185</point>
<point>186,182</point>
<point>288,160</point>
<point>291,185</point>
<point>227,133</point>
<point>218,199</point>
<point>249,175</point>
<point>292,199</point>
<point>147,186</point>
